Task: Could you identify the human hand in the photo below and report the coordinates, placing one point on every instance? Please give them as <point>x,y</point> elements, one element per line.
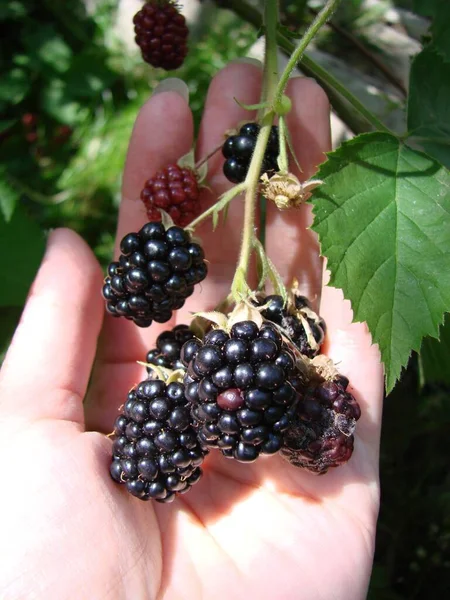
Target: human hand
<point>265,530</point>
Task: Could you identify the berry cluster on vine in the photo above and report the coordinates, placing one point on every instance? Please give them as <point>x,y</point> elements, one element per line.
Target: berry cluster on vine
<point>247,381</point>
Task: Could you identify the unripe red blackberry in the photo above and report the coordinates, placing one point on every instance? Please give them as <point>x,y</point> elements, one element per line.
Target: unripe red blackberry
<point>320,435</point>
<point>175,190</point>
<point>155,451</point>
<point>161,34</point>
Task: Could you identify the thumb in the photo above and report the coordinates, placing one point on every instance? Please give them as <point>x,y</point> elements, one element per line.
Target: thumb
<point>47,366</point>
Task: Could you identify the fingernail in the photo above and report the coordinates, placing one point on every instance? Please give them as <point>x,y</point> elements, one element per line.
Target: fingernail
<point>247,60</point>
<point>173,84</point>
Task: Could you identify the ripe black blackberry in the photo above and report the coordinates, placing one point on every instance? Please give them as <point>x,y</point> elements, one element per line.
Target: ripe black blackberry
<point>155,451</point>
<point>238,150</point>
<point>300,323</point>
<point>168,348</point>
<point>175,190</point>
<point>154,275</point>
<point>240,389</point>
<point>320,435</point>
<point>161,33</point>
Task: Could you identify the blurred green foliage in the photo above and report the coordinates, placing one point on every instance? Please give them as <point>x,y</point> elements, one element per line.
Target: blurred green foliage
<point>70,90</point>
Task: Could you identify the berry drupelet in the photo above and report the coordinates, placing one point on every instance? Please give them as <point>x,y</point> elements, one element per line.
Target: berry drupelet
<point>156,271</point>
<point>320,435</point>
<point>168,348</point>
<point>175,190</point>
<point>161,33</point>
<point>238,150</point>
<point>240,388</point>
<point>155,451</point>
<point>300,323</point>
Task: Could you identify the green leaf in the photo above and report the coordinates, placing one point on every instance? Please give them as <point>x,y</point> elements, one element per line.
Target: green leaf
<point>88,75</point>
<point>429,106</point>
<point>22,246</point>
<point>9,196</point>
<point>428,8</point>
<point>13,9</point>
<point>14,86</point>
<point>440,31</point>
<point>435,355</point>
<point>5,124</point>
<point>383,220</point>
<point>59,105</point>
<point>47,47</point>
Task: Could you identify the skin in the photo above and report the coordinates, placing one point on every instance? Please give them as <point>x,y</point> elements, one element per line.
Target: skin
<point>265,530</point>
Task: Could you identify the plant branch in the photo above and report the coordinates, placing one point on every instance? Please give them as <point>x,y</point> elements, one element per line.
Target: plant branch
<point>309,35</point>
<point>239,286</point>
<point>346,105</point>
<point>219,205</point>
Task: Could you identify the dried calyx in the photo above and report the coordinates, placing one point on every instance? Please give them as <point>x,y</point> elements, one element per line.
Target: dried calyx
<point>286,190</point>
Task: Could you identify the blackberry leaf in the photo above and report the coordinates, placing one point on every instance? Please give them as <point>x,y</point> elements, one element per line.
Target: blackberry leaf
<point>382,216</point>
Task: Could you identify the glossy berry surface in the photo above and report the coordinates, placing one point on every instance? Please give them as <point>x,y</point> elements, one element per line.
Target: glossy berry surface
<point>168,348</point>
<point>320,435</point>
<point>155,450</point>
<point>175,190</point>
<point>239,387</point>
<point>305,329</point>
<point>156,271</point>
<point>238,150</point>
<point>161,33</point>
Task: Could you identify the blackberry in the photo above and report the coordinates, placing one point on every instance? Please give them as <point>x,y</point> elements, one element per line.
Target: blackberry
<point>154,275</point>
<point>155,451</point>
<point>240,389</point>
<point>168,348</point>
<point>300,323</point>
<point>175,190</point>
<point>161,33</point>
<point>320,435</point>
<point>238,150</point>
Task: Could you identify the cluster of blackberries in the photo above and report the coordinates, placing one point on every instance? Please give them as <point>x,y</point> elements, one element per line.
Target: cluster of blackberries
<point>156,271</point>
<point>156,452</point>
<point>175,190</point>
<point>241,387</point>
<point>320,435</point>
<point>238,150</point>
<point>161,33</point>
<point>168,348</point>
<point>241,394</point>
<point>294,327</point>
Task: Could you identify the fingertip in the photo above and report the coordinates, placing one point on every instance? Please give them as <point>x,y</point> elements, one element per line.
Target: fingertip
<point>162,133</point>
<point>70,247</point>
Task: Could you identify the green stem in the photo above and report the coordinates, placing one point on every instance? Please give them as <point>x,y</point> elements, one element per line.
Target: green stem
<point>254,171</point>
<point>309,35</point>
<point>283,161</point>
<point>219,205</point>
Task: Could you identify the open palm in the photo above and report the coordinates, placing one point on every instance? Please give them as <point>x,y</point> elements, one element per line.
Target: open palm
<point>266,530</point>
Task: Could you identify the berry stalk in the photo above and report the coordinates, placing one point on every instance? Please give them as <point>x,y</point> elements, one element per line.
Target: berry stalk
<point>309,35</point>
<point>239,286</point>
